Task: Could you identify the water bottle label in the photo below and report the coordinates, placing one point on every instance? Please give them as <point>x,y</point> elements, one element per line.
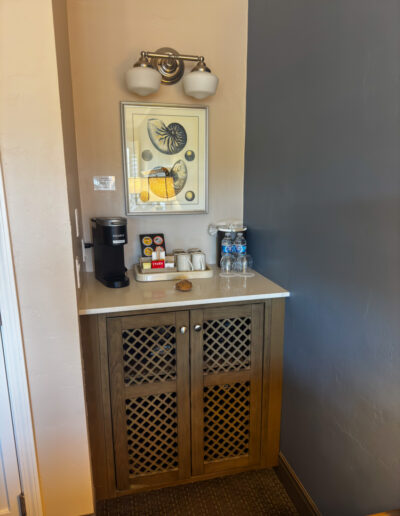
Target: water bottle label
<point>241,249</point>
<point>226,249</point>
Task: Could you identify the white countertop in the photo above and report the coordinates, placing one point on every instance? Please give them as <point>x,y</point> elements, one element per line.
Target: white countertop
<point>95,298</point>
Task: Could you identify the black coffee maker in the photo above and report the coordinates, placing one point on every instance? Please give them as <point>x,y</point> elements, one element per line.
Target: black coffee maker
<point>109,237</point>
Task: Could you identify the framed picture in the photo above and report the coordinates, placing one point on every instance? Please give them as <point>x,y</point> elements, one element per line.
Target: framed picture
<point>165,158</point>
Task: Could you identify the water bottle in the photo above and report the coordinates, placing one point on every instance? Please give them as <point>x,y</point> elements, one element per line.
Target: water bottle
<point>240,244</point>
<point>226,244</point>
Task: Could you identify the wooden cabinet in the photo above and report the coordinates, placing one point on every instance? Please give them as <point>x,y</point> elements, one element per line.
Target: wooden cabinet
<point>181,395</point>
<point>226,375</point>
<point>150,406</point>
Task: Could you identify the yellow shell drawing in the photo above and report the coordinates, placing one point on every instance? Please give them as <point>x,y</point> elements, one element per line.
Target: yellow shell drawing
<point>162,186</point>
<point>144,196</point>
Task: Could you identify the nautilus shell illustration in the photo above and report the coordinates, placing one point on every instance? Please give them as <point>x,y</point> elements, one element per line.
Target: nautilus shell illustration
<point>165,183</point>
<point>168,139</point>
<point>179,175</point>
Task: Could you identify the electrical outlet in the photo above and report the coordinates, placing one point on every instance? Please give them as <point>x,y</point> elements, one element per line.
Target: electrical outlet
<point>78,272</point>
<point>77,222</point>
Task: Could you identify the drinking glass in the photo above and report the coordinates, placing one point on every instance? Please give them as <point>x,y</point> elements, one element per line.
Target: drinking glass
<point>227,265</point>
<point>243,263</point>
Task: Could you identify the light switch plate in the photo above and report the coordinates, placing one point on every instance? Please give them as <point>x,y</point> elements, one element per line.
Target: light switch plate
<point>77,222</point>
<point>78,272</point>
<point>83,250</point>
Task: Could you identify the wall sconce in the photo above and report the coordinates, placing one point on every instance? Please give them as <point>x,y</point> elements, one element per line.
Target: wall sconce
<point>166,66</point>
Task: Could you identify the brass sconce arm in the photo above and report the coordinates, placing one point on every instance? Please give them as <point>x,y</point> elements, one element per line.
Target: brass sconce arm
<point>169,63</point>
<point>172,56</point>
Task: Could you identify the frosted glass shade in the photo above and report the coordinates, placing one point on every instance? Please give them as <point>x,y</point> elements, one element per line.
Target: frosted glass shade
<point>200,84</point>
<point>143,80</point>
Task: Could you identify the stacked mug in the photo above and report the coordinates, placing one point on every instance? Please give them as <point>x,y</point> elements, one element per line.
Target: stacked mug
<point>192,260</point>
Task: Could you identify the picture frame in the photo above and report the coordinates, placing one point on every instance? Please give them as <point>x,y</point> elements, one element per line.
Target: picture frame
<point>165,158</point>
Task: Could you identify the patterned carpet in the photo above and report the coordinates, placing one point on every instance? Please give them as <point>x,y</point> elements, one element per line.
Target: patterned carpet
<point>253,493</point>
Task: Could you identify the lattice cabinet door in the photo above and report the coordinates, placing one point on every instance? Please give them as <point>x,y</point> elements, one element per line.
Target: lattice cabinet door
<point>226,383</point>
<point>149,379</point>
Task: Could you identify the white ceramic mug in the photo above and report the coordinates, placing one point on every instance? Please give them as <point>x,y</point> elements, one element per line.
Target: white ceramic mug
<point>199,261</point>
<point>183,262</point>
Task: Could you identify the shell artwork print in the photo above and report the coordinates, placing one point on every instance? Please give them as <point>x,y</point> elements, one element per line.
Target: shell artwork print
<point>179,175</point>
<point>168,183</point>
<point>165,158</point>
<point>169,139</point>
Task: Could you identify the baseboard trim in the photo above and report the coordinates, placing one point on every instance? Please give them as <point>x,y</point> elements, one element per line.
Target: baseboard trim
<point>295,489</point>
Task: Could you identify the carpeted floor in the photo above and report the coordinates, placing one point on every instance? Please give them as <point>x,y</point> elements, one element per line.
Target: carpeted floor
<point>253,493</point>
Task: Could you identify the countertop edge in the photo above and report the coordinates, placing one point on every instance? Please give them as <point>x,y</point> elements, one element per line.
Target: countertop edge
<point>172,304</point>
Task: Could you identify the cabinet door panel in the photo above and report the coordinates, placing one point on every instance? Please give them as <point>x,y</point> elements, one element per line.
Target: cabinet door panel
<point>149,374</point>
<point>226,375</point>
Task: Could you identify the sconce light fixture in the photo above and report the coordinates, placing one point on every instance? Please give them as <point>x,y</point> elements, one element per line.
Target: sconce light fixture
<point>167,66</point>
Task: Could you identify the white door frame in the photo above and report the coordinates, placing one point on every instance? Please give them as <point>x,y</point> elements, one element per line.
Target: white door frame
<point>16,368</point>
<point>10,483</point>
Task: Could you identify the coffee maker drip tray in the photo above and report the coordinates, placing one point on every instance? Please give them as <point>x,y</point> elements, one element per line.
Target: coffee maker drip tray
<point>114,282</point>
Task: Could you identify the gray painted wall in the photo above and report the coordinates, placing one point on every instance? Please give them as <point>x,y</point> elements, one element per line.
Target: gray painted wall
<point>322,200</point>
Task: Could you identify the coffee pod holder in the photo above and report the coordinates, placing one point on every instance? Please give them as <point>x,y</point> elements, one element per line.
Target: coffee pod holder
<point>168,274</point>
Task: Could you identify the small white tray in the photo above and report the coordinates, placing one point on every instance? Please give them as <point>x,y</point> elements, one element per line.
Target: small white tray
<point>170,275</point>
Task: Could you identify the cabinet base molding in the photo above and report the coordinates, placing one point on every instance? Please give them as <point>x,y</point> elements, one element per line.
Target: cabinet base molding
<point>297,492</point>
<point>200,478</point>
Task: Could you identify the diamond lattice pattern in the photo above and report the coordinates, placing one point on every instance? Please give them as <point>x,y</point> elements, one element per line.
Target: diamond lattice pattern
<point>226,421</point>
<point>152,429</point>
<point>226,344</point>
<point>149,354</point>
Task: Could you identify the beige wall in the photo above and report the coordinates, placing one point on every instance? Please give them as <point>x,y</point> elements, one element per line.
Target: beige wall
<point>31,146</point>
<point>68,122</point>
<point>105,39</point>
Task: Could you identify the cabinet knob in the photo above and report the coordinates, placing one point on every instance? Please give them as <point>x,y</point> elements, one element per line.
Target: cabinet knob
<point>197,327</point>
<point>183,330</point>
